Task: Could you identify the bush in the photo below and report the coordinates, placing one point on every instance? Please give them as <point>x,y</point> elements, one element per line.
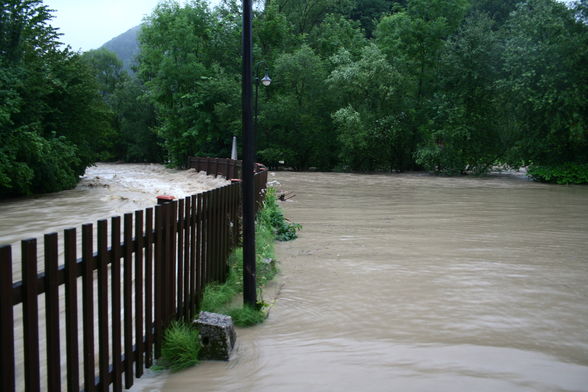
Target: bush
<point>568,173</point>
<point>271,216</point>
<point>30,163</point>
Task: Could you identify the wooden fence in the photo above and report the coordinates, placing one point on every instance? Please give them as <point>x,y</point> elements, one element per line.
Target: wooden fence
<point>152,271</point>
<point>228,168</point>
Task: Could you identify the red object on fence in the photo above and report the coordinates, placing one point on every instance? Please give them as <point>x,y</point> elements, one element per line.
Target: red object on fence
<point>164,199</point>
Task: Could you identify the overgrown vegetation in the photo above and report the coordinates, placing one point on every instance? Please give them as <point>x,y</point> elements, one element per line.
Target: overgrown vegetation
<point>270,227</point>
<point>179,350</point>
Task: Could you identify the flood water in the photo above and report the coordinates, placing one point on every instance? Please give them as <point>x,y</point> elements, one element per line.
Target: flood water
<point>106,190</point>
<point>418,283</point>
<point>397,282</point>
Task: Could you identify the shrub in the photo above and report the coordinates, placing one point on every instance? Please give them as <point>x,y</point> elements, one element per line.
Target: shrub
<point>567,173</point>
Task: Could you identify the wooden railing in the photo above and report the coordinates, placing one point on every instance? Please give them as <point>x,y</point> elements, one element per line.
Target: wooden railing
<point>228,168</point>
<point>148,268</point>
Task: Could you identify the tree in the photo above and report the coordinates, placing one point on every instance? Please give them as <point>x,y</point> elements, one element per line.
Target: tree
<point>181,80</point>
<point>371,118</point>
<point>296,128</point>
<point>468,130</point>
<point>51,115</point>
<point>545,86</point>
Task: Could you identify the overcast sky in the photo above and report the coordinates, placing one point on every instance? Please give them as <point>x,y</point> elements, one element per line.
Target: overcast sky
<point>88,24</point>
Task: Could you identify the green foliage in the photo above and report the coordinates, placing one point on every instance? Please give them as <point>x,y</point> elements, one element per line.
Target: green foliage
<point>272,221</point>
<point>448,86</point>
<point>545,83</point>
<point>53,122</point>
<point>180,347</point>
<point>193,96</point>
<point>247,316</point>
<point>218,298</point>
<point>569,173</point>
<point>465,133</point>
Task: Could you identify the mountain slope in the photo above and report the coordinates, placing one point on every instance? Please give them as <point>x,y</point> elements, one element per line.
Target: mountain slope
<point>126,47</point>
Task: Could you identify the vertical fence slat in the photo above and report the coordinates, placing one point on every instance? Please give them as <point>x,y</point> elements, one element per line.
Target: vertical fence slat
<point>88,307</point>
<point>197,227</point>
<point>116,306</point>
<point>206,239</point>
<point>180,253</point>
<point>103,318</point>
<point>30,310</point>
<point>187,226</point>
<point>214,194</point>
<point>128,299</point>
<point>149,288</point>
<point>7,372</point>
<point>52,313</point>
<point>226,229</point>
<point>165,268</point>
<point>219,234</point>
<point>158,261</point>
<point>173,225</point>
<point>139,293</point>
<point>71,311</point>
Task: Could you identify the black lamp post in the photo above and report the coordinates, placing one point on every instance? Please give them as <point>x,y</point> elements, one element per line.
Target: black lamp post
<point>248,184</point>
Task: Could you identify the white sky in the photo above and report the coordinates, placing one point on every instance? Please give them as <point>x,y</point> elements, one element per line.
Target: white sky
<point>88,24</point>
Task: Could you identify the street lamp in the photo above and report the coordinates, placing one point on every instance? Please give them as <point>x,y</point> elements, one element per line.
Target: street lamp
<point>266,81</point>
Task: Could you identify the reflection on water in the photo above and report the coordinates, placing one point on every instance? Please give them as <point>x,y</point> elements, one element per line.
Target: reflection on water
<point>419,283</point>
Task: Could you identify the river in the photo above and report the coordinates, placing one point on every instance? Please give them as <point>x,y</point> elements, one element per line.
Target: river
<point>397,283</point>
<point>419,283</point>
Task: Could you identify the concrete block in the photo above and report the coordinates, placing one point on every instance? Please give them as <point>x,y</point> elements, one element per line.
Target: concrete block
<point>217,336</point>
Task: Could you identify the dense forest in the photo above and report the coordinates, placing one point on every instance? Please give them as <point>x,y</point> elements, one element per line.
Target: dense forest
<point>447,86</point>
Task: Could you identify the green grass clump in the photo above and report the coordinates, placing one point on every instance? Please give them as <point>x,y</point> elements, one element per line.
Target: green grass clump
<point>180,347</point>
<point>247,316</point>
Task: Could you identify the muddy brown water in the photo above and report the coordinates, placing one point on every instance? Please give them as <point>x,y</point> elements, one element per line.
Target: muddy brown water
<point>397,283</point>
<point>105,190</point>
<point>418,283</point>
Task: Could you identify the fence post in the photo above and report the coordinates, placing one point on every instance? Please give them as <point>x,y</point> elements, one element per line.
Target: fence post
<point>158,277</point>
<point>71,311</point>
<point>128,299</point>
<point>116,304</point>
<point>88,308</point>
<point>7,371</point>
<point>52,313</point>
<point>103,324</point>
<point>149,288</point>
<point>139,293</point>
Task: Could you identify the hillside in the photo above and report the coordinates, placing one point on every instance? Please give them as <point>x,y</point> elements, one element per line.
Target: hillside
<point>125,46</point>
